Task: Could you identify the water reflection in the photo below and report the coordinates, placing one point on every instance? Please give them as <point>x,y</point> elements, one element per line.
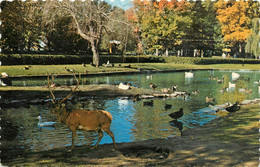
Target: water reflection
<point>132,121</point>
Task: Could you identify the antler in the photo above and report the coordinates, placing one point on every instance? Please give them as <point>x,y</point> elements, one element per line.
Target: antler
<point>49,85</point>
<point>72,90</point>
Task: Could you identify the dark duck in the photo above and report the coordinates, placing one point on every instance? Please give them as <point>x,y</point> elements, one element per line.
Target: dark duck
<point>148,103</point>
<point>235,107</point>
<point>153,86</point>
<point>177,114</point>
<point>167,106</point>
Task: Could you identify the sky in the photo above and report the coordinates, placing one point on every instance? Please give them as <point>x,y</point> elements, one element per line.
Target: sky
<point>124,4</point>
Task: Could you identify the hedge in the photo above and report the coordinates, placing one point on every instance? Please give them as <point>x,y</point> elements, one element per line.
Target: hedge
<point>38,59</point>
<point>201,61</point>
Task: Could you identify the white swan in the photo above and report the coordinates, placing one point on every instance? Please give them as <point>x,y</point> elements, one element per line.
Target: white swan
<point>235,76</point>
<point>188,74</point>
<point>40,123</point>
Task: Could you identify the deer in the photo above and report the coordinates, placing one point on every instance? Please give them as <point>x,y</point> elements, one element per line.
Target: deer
<point>80,119</point>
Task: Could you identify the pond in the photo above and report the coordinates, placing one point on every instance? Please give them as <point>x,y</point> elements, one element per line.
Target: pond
<point>132,121</point>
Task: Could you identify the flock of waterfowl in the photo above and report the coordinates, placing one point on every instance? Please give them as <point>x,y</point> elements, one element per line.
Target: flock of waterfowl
<point>172,92</point>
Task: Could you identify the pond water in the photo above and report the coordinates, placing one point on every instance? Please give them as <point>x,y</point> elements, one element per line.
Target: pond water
<point>132,121</point>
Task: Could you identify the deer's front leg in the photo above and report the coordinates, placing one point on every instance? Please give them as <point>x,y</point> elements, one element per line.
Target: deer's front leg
<point>73,130</point>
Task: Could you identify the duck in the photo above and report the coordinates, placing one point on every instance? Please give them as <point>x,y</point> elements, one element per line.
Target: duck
<point>257,82</point>
<point>231,85</point>
<point>123,86</point>
<point>195,92</point>
<point>40,123</point>
<point>165,90</point>
<point>69,70</point>
<point>220,80</point>
<point>185,96</point>
<point>148,103</point>
<point>188,74</point>
<point>245,90</point>
<point>247,79</point>
<point>208,99</point>
<point>152,86</point>
<point>167,106</point>
<point>136,98</point>
<point>235,107</point>
<point>177,114</point>
<point>27,67</point>
<point>223,90</point>
<point>174,88</point>
<point>149,77</point>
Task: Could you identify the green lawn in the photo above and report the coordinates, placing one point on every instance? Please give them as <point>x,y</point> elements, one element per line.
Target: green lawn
<point>36,70</point>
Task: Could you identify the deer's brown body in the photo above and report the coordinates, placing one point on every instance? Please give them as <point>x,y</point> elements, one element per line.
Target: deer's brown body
<point>80,119</point>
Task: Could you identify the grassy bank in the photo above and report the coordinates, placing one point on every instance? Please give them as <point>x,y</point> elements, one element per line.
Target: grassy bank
<point>38,70</point>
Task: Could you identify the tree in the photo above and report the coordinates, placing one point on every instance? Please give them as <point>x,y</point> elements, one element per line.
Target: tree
<point>21,26</point>
<point>235,23</point>
<point>253,41</point>
<point>88,19</point>
<point>162,23</point>
<point>203,28</point>
<point>121,30</point>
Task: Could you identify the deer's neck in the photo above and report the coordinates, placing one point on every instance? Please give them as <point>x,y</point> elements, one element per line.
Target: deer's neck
<point>63,115</point>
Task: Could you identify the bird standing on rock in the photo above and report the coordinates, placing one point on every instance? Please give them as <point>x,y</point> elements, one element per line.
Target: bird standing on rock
<point>152,86</point>
<point>177,114</point>
<point>235,107</point>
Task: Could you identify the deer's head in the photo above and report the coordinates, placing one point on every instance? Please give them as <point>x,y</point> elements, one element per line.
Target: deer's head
<point>59,105</point>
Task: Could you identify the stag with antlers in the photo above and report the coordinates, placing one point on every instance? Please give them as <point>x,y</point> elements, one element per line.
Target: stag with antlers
<point>77,119</point>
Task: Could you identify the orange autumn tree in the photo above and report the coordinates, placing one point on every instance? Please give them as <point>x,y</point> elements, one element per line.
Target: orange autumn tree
<point>235,24</point>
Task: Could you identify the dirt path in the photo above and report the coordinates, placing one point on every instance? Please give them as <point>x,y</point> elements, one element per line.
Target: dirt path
<point>232,140</point>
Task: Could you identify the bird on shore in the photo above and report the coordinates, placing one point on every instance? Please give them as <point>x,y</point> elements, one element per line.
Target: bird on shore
<point>174,88</point>
<point>196,92</point>
<point>231,85</point>
<point>165,90</point>
<point>208,99</point>
<point>136,98</point>
<point>235,107</point>
<point>177,114</point>
<point>152,86</point>
<point>27,67</point>
<point>69,70</point>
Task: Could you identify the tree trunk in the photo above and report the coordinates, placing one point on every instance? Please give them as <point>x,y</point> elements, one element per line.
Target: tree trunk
<point>95,54</point>
<point>157,52</point>
<point>167,53</point>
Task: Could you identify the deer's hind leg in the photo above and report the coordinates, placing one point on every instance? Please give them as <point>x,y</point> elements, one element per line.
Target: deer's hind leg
<point>111,134</point>
<point>100,136</point>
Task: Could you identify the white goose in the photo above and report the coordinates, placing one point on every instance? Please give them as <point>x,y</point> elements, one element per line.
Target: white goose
<point>40,123</point>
